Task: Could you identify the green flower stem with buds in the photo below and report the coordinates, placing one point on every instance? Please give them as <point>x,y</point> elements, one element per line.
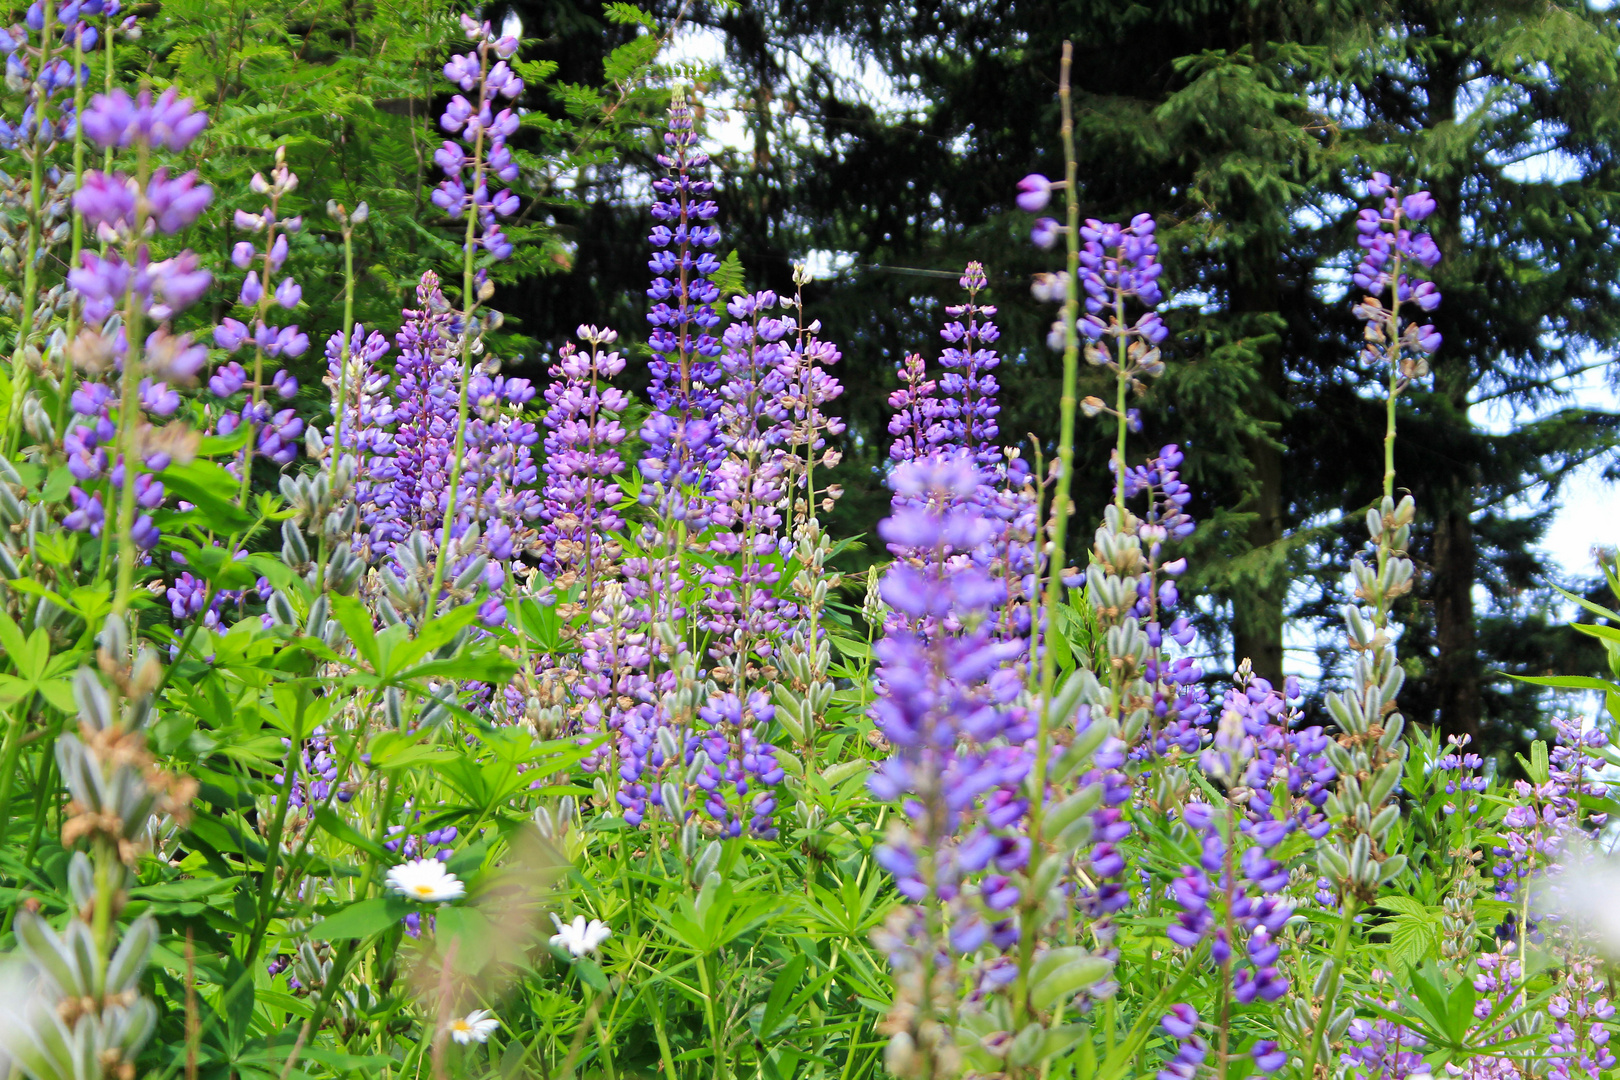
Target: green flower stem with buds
<point>469,306</point>
<point>1031,903</point>
<point>21,373</point>
<point>129,410</point>
<point>265,294</point>
<point>64,404</point>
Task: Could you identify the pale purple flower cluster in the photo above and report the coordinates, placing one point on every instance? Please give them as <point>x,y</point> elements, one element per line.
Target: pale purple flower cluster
<point>968,386</point>
<point>365,429</point>
<point>916,424</point>
<point>157,291</point>
<point>1581,1011</point>
<point>1463,773</point>
<point>1537,828</point>
<point>808,390</point>
<point>736,763</point>
<point>1390,250</point>
<point>1119,263</point>
<point>1383,1050</point>
<point>316,774</point>
<point>496,490</point>
<point>947,705</point>
<point>35,130</point>
<point>582,441</point>
<point>188,595</point>
<point>1234,901</point>
<point>278,431</point>
<point>1104,864</point>
<point>1180,702</point>
<point>109,202</point>
<point>749,487</point>
<point>1182,1023</point>
<point>485,72</point>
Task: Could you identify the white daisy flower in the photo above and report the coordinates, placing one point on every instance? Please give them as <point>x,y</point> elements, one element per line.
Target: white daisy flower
<point>580,937</point>
<point>426,880</point>
<point>476,1026</point>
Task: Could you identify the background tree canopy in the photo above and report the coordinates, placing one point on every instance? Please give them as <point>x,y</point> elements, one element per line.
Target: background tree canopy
<point>1239,126</point>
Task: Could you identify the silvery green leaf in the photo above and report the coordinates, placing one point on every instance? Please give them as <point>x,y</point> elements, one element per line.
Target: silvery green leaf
<point>48,952</point>
<point>472,573</point>
<point>1026,1045</point>
<point>130,959</point>
<point>1068,979</point>
<point>1081,802</point>
<point>95,707</point>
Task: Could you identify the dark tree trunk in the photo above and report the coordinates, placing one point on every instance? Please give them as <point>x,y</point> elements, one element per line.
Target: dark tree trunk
<point>1257,624</point>
<point>1257,602</point>
<point>1456,670</point>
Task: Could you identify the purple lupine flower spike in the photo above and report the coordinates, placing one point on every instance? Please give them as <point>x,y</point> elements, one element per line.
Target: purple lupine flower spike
<point>682,447</point>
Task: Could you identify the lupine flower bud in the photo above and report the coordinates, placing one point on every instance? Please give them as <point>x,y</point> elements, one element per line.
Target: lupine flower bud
<point>1034,192</point>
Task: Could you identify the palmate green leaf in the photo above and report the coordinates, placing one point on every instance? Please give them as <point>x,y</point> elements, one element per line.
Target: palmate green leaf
<point>787,981</point>
<point>334,825</point>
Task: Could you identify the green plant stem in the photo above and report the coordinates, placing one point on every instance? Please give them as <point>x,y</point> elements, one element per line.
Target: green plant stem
<point>586,1023</point>
<point>711,1016</point>
<point>129,409</point>
<point>345,952</point>
<point>1330,990</point>
<point>469,307</point>
<point>1060,525</point>
<point>348,330</point>
<point>64,403</point>
<point>109,873</point>
<point>20,372</point>
<point>10,754</point>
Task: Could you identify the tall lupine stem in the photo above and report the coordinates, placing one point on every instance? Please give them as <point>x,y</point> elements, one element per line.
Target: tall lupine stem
<point>76,244</point>
<point>129,407</point>
<point>1121,384</point>
<point>126,209</point>
<point>346,222</point>
<point>473,70</point>
<point>1370,755</point>
<point>469,306</point>
<point>1067,405</point>
<point>21,372</point>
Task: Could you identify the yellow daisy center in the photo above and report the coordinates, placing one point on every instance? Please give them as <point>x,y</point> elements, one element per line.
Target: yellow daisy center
<point>424,889</point>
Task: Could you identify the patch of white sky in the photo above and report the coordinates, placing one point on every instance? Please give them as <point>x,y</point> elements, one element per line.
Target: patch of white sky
<point>697,52</point>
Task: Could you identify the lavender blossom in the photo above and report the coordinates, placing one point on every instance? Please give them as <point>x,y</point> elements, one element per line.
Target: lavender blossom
<point>583,434</point>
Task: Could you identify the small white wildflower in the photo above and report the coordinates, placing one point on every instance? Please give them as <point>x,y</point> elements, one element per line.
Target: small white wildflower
<point>427,880</point>
<point>476,1026</point>
<point>580,937</point>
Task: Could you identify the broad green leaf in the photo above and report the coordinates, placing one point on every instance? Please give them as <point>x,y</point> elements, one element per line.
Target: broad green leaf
<point>362,919</point>
<point>335,826</point>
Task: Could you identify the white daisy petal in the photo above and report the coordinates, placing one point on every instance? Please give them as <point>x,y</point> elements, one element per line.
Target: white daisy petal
<point>476,1026</point>
<point>579,937</point>
<point>426,880</point>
